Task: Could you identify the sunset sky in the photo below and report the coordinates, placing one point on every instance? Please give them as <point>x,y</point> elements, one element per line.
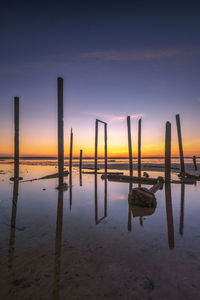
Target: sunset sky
<point>117,58</point>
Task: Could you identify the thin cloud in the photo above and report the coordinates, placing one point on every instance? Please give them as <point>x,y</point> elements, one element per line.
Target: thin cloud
<point>113,118</point>
<point>140,54</point>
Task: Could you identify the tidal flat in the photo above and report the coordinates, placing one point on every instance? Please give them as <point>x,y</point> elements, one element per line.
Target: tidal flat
<point>86,242</point>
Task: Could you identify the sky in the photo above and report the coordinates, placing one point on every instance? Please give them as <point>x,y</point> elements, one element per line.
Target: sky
<point>117,58</point>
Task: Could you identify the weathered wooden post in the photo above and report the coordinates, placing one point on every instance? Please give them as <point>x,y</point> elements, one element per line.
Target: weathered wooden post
<point>168,152</point>
<point>139,148</point>
<point>60,131</point>
<point>16,138</point>
<point>71,151</point>
<point>130,146</point>
<point>180,144</point>
<point>96,145</point>
<point>80,162</point>
<point>195,162</point>
<point>105,137</point>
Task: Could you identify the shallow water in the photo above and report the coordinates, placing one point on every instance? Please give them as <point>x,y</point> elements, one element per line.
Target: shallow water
<point>87,242</point>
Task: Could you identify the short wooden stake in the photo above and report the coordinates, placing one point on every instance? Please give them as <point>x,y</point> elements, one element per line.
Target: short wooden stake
<point>80,162</point>
<point>168,152</point>
<point>195,162</point>
<point>130,146</point>
<point>180,144</point>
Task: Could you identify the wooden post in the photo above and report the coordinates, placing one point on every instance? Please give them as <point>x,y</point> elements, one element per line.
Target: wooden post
<point>180,144</point>
<point>71,150</point>
<point>105,136</point>
<point>130,146</point>
<point>195,163</point>
<point>139,148</point>
<point>80,162</point>
<point>96,146</point>
<point>16,138</point>
<point>168,152</point>
<point>60,130</point>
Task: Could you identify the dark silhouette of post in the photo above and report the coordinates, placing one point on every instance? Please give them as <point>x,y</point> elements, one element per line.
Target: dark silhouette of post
<point>80,162</point>
<point>130,146</point>
<point>58,244</point>
<point>169,212</point>
<point>195,162</point>
<point>105,136</point>
<point>70,190</point>
<point>97,219</point>
<point>71,151</point>
<point>139,148</point>
<point>168,152</point>
<point>180,144</point>
<point>60,131</point>
<point>16,138</point>
<point>96,145</point>
<point>182,209</point>
<point>13,222</point>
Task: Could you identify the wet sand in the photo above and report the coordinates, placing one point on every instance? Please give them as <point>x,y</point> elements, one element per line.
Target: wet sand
<point>84,243</point>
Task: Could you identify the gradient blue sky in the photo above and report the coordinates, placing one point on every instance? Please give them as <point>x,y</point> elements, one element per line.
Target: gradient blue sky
<point>116,57</point>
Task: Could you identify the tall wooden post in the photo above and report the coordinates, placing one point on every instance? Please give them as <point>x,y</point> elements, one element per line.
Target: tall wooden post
<point>139,148</point>
<point>60,130</point>
<point>96,145</point>
<point>130,146</point>
<point>80,162</point>
<point>16,138</point>
<point>71,150</point>
<point>106,158</point>
<point>180,144</point>
<point>168,152</point>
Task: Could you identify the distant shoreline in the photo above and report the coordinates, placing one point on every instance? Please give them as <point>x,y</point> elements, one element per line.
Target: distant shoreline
<point>90,158</point>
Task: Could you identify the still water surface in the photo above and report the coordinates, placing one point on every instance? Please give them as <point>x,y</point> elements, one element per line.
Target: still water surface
<point>88,243</point>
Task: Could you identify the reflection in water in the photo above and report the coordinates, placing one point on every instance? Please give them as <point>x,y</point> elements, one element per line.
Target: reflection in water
<point>58,243</point>
<point>70,189</point>
<point>80,179</point>
<point>97,219</point>
<point>13,222</point>
<point>14,211</point>
<point>182,209</point>
<point>169,212</point>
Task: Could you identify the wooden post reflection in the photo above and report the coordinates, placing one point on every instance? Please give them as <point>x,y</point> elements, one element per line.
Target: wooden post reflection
<point>182,209</point>
<point>13,222</point>
<point>58,245</point>
<point>169,212</point>
<point>129,210</point>
<point>70,189</point>
<point>97,219</point>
